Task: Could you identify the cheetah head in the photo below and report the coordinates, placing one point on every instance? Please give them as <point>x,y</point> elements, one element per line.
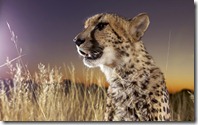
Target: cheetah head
<point>105,35</point>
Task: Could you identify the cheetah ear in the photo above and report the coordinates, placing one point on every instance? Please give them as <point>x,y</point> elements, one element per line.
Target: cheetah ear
<point>138,25</point>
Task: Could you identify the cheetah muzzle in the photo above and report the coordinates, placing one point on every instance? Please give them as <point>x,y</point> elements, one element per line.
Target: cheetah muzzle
<point>91,55</point>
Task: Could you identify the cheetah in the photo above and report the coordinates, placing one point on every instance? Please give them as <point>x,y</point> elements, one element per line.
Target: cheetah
<point>137,90</point>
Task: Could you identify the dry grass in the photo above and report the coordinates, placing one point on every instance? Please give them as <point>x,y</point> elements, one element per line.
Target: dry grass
<point>182,106</point>
<point>48,98</point>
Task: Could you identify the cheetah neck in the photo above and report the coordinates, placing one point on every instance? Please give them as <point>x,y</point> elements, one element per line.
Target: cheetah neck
<point>139,62</point>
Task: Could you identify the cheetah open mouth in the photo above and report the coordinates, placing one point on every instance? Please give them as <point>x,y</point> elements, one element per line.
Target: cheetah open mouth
<point>91,55</point>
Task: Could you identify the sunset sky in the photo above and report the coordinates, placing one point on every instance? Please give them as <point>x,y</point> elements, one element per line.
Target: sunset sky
<point>46,28</point>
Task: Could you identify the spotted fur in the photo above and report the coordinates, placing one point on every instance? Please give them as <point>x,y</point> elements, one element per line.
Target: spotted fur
<point>137,89</point>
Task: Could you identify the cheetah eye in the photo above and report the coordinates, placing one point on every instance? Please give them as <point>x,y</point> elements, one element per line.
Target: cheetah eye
<point>101,26</point>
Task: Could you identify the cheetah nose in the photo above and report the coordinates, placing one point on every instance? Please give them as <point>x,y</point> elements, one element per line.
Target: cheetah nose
<point>79,41</point>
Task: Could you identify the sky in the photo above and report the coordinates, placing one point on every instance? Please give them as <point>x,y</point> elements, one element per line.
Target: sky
<point>46,28</point>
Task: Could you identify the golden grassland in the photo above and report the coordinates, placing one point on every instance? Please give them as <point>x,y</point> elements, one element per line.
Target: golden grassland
<point>47,97</point>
